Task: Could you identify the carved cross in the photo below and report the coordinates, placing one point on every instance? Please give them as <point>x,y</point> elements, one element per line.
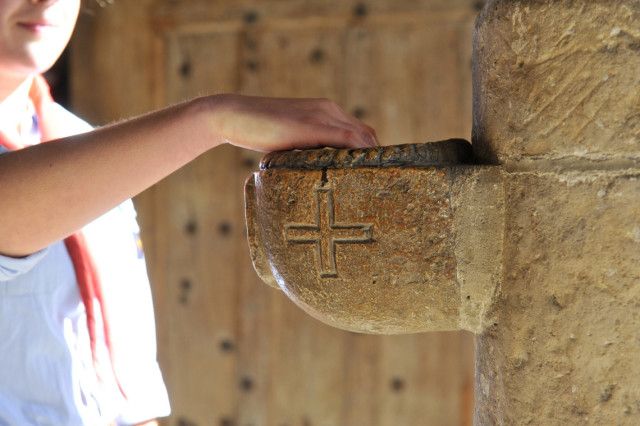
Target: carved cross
<point>534,246</point>
<point>326,233</point>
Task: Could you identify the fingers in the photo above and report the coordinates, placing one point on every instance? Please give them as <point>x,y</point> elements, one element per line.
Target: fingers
<point>358,131</point>
<point>351,134</point>
<point>268,124</point>
<point>336,112</point>
<point>342,135</point>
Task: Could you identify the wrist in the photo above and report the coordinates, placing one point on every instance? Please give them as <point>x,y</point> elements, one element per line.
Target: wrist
<point>212,114</point>
<point>205,113</point>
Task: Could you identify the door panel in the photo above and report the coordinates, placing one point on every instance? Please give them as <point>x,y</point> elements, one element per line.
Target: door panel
<point>233,350</point>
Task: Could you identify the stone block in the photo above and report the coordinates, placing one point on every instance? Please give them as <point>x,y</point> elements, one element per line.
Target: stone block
<point>566,342</point>
<point>558,80</point>
<point>384,249</point>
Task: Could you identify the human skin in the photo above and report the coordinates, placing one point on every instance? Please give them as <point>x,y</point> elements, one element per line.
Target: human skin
<point>33,34</point>
<point>51,190</point>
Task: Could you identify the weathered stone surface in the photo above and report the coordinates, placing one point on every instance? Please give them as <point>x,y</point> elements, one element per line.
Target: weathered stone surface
<point>539,256</point>
<point>477,200</point>
<point>557,103</point>
<point>443,153</point>
<point>566,343</point>
<point>399,221</point>
<point>558,80</point>
<point>375,249</point>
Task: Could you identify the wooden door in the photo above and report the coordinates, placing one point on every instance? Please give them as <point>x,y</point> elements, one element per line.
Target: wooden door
<point>234,351</point>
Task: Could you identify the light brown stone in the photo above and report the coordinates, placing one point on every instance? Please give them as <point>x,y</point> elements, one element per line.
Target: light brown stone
<point>557,80</point>
<point>539,254</point>
<point>566,343</point>
<point>396,269</point>
<point>557,102</point>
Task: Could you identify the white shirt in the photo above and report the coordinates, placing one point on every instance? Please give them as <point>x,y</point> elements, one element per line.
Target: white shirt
<point>47,375</point>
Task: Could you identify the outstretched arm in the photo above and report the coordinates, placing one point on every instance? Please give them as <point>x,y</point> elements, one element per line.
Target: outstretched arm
<point>51,190</point>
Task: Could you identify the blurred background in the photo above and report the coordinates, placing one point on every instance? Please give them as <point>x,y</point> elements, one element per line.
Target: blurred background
<point>234,351</point>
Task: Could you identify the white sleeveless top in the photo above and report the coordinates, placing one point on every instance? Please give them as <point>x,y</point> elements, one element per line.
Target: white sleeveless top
<point>47,375</point>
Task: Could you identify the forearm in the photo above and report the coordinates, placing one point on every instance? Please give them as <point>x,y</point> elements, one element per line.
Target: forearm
<point>50,190</point>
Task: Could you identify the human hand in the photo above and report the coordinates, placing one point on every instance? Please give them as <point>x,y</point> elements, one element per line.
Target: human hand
<point>274,124</point>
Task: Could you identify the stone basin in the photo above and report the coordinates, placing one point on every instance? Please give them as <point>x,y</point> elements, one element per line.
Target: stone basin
<point>537,256</point>
<point>377,240</point>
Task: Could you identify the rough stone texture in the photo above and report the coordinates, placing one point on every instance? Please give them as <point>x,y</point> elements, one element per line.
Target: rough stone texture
<point>378,286</point>
<point>558,79</point>
<point>450,152</point>
<point>478,212</point>
<point>540,256</point>
<point>557,103</point>
<point>566,344</point>
<point>400,231</point>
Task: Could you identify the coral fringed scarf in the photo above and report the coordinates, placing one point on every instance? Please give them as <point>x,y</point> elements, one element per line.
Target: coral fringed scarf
<point>83,264</point>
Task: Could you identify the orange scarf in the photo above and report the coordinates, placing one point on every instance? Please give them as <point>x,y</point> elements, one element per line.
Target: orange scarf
<point>83,264</point>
